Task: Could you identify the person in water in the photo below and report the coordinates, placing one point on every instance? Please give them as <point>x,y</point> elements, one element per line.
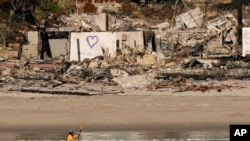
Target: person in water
<point>71,136</point>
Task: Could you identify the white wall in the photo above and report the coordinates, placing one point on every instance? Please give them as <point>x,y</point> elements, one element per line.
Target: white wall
<point>31,49</point>
<point>59,47</point>
<point>134,39</point>
<point>91,44</point>
<point>245,41</point>
<point>100,20</point>
<point>33,37</point>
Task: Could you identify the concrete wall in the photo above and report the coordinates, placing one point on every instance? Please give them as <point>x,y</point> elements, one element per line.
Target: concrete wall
<point>133,39</point>
<point>192,18</point>
<point>245,41</point>
<point>100,20</point>
<point>59,47</point>
<point>91,44</point>
<point>101,6</point>
<point>30,50</point>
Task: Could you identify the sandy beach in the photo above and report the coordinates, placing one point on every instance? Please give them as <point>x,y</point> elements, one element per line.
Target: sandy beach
<point>131,111</point>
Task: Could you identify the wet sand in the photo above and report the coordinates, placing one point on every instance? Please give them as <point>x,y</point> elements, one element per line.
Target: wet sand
<point>131,111</point>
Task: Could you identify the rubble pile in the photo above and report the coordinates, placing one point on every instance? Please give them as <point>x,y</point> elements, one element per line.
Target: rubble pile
<point>30,78</point>
<point>214,38</point>
<point>120,76</point>
<point>89,23</point>
<point>75,22</point>
<point>169,57</point>
<point>186,43</point>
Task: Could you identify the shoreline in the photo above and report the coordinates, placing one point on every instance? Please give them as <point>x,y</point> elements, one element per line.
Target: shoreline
<point>135,110</point>
<point>141,111</point>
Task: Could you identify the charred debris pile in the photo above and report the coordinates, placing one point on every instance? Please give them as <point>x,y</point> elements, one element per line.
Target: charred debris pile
<point>111,76</point>
<point>192,55</point>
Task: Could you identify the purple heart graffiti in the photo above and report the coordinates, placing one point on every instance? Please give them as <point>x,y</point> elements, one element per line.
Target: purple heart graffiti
<point>92,41</point>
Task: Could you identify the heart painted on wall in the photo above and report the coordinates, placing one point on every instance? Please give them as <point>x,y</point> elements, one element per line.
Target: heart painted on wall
<point>92,41</point>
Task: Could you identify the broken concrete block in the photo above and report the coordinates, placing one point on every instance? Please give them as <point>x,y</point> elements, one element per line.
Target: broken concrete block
<point>118,73</point>
<point>36,69</point>
<point>30,50</point>
<point>147,59</point>
<point>192,18</point>
<point>163,26</point>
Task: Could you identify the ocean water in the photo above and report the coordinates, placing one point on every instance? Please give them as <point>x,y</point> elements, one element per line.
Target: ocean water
<point>133,136</point>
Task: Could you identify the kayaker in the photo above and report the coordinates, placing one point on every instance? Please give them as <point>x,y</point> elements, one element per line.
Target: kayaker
<point>71,136</point>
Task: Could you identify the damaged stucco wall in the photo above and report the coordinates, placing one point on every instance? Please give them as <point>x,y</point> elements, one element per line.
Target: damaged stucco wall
<point>31,49</point>
<point>91,44</point>
<point>245,41</point>
<point>100,20</point>
<point>131,40</point>
<point>59,47</point>
<point>191,19</point>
